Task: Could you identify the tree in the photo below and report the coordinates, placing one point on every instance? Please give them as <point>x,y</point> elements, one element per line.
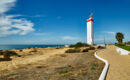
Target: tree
<point>119,37</point>
<point>128,42</point>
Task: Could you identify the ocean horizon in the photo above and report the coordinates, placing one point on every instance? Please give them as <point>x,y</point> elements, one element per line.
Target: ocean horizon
<point>22,46</point>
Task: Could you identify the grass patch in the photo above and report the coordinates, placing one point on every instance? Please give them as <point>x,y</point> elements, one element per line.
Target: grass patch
<point>94,66</point>
<point>65,70</point>
<point>123,47</point>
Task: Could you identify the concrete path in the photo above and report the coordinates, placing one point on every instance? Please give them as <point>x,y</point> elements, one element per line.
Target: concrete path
<point>119,68</point>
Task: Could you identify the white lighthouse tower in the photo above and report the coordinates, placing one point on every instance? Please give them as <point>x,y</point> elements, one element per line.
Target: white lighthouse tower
<point>90,30</point>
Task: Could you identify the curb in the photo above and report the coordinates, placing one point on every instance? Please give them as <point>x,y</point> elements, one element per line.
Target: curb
<point>105,69</point>
<point>122,51</point>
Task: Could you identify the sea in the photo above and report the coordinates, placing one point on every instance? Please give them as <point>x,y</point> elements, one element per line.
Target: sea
<point>7,47</point>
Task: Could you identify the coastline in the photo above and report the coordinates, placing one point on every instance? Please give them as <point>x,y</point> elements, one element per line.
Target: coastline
<point>23,46</point>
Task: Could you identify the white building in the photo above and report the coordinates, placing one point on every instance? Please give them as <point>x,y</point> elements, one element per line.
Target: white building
<point>90,30</point>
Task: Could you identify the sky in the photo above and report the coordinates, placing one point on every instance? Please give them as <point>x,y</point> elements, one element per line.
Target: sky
<point>62,21</point>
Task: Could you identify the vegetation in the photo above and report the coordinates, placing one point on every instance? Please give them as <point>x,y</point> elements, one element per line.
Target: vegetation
<point>91,48</point>
<point>85,50</point>
<point>123,46</point>
<point>78,45</point>
<point>59,67</point>
<point>72,51</point>
<point>34,50</point>
<point>93,67</point>
<point>100,47</point>
<point>128,43</point>
<point>7,54</point>
<point>65,69</point>
<point>119,37</point>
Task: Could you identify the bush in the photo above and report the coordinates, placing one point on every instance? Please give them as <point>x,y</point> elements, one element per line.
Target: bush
<point>120,44</point>
<point>1,52</point>
<point>79,44</point>
<point>11,53</point>
<point>72,51</point>
<point>34,50</point>
<point>71,46</point>
<point>6,56</point>
<point>85,50</point>
<point>128,43</point>
<point>100,47</point>
<point>91,48</point>
<point>20,50</point>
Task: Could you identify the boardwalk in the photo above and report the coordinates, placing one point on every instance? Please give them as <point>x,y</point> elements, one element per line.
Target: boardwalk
<point>119,68</point>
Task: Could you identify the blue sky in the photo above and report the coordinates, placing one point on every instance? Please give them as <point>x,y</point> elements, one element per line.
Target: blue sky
<point>62,21</point>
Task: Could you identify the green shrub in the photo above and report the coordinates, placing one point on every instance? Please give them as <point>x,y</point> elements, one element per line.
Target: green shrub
<point>91,48</point>
<point>8,53</point>
<point>123,46</point>
<point>71,46</point>
<point>6,56</point>
<point>120,44</point>
<point>79,44</point>
<point>1,52</point>
<point>85,50</point>
<point>100,47</point>
<point>72,51</point>
<point>128,43</point>
<point>11,53</point>
<point>92,68</point>
<point>63,71</point>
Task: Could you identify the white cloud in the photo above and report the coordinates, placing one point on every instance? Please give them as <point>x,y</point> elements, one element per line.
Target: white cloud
<point>9,25</point>
<point>36,16</point>
<point>12,24</point>
<point>6,5</point>
<point>40,34</point>
<point>109,32</point>
<point>69,38</point>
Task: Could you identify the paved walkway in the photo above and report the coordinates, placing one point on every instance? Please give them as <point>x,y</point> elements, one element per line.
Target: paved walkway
<point>119,68</point>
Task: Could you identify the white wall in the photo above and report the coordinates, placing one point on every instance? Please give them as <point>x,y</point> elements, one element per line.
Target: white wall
<point>90,33</point>
<point>122,51</point>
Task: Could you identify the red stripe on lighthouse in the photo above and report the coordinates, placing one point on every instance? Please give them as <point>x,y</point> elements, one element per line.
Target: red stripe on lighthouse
<point>89,20</point>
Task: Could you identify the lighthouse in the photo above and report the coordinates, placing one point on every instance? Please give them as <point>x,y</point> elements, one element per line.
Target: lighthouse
<point>90,30</point>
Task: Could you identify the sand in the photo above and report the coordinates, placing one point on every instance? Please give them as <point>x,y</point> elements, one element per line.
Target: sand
<point>51,64</point>
<point>119,68</point>
<point>41,54</point>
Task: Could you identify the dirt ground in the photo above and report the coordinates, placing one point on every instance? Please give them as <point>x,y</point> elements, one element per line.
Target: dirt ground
<point>51,64</point>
